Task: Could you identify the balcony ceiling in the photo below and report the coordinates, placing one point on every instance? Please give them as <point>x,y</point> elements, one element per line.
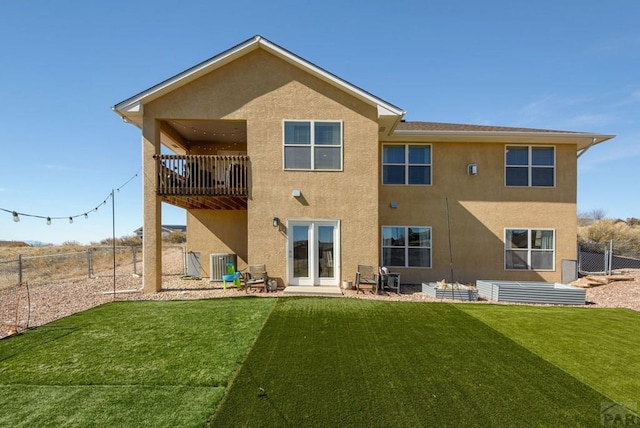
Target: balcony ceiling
<point>214,131</point>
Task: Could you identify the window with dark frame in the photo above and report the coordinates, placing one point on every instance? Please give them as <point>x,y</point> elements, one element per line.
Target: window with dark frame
<point>530,166</point>
<point>406,164</point>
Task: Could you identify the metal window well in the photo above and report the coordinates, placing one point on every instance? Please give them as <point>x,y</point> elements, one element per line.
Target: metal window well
<point>218,265</point>
<point>531,292</point>
<point>193,264</point>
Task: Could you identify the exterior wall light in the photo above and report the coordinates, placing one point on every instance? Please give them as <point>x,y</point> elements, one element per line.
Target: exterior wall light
<point>472,169</point>
<point>296,193</point>
<point>276,222</point>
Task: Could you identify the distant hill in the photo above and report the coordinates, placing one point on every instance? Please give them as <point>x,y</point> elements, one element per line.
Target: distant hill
<point>13,244</point>
<point>24,244</point>
<point>38,243</point>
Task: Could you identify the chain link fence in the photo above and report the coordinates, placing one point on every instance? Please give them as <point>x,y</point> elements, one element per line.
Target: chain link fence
<point>597,258</point>
<point>65,283</point>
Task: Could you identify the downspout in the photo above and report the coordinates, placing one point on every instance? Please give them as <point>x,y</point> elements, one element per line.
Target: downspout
<point>594,141</point>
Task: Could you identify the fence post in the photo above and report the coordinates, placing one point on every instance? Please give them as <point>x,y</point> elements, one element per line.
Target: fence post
<point>579,258</point>
<point>184,259</point>
<point>611,257</point>
<point>89,263</point>
<point>19,268</point>
<point>133,255</point>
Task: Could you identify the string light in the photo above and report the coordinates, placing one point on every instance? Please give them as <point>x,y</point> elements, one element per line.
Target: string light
<point>16,215</point>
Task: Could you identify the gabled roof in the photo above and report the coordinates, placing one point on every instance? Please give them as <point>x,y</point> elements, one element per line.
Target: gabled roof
<point>131,109</point>
<point>391,127</point>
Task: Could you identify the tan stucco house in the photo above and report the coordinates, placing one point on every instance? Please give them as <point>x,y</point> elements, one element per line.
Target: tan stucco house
<point>285,164</point>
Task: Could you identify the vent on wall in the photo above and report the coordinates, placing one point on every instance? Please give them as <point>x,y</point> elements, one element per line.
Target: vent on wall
<point>218,265</point>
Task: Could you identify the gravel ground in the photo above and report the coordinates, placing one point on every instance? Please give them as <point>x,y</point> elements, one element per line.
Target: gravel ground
<point>59,299</point>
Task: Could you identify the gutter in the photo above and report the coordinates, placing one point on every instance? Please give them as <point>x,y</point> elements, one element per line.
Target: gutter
<point>594,141</point>
<point>124,118</point>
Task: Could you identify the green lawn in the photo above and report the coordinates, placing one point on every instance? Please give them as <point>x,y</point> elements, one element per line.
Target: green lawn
<point>320,362</point>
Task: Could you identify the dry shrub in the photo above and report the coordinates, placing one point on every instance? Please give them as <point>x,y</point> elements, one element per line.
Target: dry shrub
<point>626,238</point>
<point>176,238</point>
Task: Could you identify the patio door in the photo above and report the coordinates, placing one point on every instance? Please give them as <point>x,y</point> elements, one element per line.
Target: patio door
<point>313,252</point>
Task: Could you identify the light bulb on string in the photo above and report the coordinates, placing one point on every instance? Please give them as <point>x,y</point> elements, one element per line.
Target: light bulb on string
<point>48,221</point>
<point>70,219</point>
<point>86,216</point>
<point>16,218</point>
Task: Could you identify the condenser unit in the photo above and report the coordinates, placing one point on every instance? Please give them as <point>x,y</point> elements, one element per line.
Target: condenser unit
<point>218,265</point>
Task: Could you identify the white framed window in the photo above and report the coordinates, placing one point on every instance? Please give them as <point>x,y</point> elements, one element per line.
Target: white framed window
<point>312,145</point>
<point>529,249</point>
<point>530,166</point>
<point>406,246</point>
<point>406,164</point>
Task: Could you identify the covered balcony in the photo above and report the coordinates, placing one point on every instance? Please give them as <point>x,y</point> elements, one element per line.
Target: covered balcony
<point>203,164</point>
<point>203,181</point>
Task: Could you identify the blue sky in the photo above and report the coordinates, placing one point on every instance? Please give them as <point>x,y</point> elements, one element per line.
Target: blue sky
<point>567,65</point>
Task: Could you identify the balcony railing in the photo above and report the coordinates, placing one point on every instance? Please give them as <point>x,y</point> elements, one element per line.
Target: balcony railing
<point>200,176</point>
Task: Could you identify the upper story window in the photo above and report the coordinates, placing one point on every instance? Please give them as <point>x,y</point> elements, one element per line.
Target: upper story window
<point>406,164</point>
<point>529,249</point>
<point>312,145</point>
<point>530,166</point>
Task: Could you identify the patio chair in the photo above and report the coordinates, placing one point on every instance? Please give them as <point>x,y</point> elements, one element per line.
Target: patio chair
<point>256,277</point>
<point>367,278</point>
<point>389,280</point>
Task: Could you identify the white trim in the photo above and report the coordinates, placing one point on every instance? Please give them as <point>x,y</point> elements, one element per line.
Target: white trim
<point>581,140</point>
<point>528,249</point>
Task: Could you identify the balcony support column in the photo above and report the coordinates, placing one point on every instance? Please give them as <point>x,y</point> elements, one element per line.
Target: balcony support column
<point>152,209</point>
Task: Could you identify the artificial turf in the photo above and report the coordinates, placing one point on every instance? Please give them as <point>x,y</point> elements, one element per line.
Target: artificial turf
<point>320,362</point>
<point>600,347</point>
<point>128,364</point>
<point>346,362</point>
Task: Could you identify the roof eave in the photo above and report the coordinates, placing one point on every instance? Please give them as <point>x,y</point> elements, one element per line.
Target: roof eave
<point>582,140</point>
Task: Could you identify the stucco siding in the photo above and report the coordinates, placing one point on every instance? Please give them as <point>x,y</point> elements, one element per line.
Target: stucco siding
<point>217,231</point>
<point>264,91</point>
<point>479,209</point>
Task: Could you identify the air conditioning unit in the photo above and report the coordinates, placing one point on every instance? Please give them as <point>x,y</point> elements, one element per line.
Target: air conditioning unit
<point>218,265</point>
